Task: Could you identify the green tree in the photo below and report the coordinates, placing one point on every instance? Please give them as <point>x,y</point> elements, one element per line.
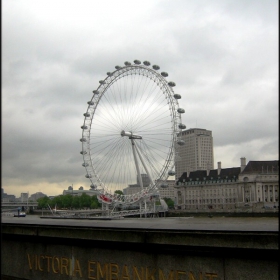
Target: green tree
<point>57,201</point>
<point>94,202</point>
<point>85,201</point>
<point>169,202</point>
<point>76,202</point>
<point>43,202</point>
<point>67,201</point>
<point>119,192</point>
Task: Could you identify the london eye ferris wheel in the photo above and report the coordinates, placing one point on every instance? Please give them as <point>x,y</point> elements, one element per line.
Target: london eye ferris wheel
<point>131,128</point>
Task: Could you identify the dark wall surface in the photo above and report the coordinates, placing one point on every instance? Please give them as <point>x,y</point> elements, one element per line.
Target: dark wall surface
<point>138,249</point>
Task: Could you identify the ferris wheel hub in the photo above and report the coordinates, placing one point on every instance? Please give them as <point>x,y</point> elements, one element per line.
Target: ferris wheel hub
<point>130,135</point>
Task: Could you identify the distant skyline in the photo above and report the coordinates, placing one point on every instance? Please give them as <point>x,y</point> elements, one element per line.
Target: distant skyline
<point>223,56</point>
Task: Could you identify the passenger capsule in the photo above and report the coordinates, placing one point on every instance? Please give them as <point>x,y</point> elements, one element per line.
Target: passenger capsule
<point>155,67</point>
<point>182,126</point>
<point>88,176</point>
<point>118,67</point>
<point>127,63</point>
<point>109,73</point>
<point>171,173</point>
<point>171,84</point>
<point>87,114</point>
<point>83,140</point>
<point>96,91</point>
<point>181,142</point>
<point>164,74</point>
<point>83,127</point>
<point>177,96</point>
<point>181,110</point>
<point>164,185</point>
<point>83,152</point>
<point>147,63</point>
<point>85,164</point>
<point>137,61</point>
<point>93,186</point>
<point>102,82</point>
<point>90,103</point>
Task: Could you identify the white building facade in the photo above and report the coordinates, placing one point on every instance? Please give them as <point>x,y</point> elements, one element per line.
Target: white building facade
<point>259,183</point>
<point>80,191</point>
<point>254,184</point>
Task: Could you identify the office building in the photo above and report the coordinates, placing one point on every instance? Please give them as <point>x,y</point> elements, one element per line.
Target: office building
<point>36,196</point>
<point>24,197</point>
<point>196,154</point>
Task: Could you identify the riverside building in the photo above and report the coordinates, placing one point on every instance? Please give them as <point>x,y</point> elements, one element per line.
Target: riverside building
<point>166,192</point>
<point>197,153</point>
<point>252,185</point>
<point>135,188</point>
<point>79,192</point>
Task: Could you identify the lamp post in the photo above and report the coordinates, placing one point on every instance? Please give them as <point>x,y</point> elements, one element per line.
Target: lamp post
<point>27,209</point>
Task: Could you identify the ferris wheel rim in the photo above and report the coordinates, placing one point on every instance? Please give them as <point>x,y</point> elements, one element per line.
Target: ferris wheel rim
<point>111,78</point>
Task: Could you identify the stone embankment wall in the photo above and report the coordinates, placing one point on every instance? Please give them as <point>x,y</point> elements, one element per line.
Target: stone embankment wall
<point>32,251</point>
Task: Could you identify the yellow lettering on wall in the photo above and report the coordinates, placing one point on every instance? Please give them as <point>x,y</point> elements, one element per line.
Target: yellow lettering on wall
<point>64,264</point>
<point>110,271</point>
<point>150,275</point>
<point>90,270</point>
<point>36,262</point>
<point>55,260</point>
<point>30,261</point>
<point>211,275</point>
<point>114,271</point>
<point>77,268</point>
<point>70,266</point>
<point>125,274</point>
<point>135,273</point>
<point>39,262</point>
<point>180,272</point>
<point>48,262</point>
<point>191,276</point>
<point>102,272</point>
<point>170,275</point>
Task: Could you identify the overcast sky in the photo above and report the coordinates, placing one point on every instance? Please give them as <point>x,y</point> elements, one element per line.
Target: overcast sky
<point>222,55</point>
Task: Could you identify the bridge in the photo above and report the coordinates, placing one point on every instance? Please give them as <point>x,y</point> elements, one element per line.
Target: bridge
<point>19,203</point>
<point>14,205</point>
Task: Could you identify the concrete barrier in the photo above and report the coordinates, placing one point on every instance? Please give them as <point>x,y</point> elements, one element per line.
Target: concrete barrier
<point>67,251</point>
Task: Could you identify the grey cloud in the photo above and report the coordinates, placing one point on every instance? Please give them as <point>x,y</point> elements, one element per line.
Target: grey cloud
<point>223,57</point>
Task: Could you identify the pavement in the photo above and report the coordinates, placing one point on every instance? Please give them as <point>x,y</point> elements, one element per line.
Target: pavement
<point>255,224</point>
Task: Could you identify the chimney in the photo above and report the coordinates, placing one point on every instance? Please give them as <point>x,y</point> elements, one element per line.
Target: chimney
<point>243,163</point>
<point>219,167</point>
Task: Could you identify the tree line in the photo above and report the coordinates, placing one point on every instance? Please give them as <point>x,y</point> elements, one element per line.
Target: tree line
<point>69,201</point>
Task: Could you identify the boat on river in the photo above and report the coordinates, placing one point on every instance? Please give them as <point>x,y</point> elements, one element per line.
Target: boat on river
<point>20,214</point>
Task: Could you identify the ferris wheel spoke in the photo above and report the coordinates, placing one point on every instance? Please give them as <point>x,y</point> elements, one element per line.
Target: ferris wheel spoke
<point>149,116</point>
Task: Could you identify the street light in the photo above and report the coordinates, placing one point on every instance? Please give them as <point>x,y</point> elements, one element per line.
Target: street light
<point>27,201</point>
